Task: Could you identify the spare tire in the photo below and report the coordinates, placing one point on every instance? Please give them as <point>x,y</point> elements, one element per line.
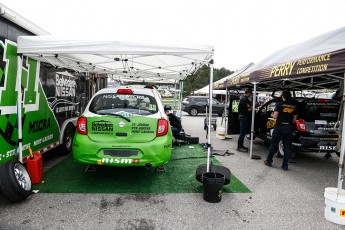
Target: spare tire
<point>201,169</point>
<point>15,182</point>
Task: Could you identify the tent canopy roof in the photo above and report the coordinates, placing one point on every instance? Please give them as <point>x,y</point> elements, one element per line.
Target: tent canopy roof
<point>317,63</point>
<point>121,59</point>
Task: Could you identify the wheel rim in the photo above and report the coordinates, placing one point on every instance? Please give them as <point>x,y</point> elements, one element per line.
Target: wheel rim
<point>194,112</point>
<point>22,176</point>
<point>281,151</point>
<point>68,138</point>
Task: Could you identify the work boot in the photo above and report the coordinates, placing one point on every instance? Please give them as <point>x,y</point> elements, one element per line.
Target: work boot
<point>242,149</point>
<point>268,164</point>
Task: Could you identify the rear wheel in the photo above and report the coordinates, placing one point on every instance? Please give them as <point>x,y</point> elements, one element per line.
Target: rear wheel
<point>15,182</point>
<point>193,111</point>
<point>280,152</point>
<point>68,139</point>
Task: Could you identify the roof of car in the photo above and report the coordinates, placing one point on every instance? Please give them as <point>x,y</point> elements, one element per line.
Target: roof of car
<point>137,89</point>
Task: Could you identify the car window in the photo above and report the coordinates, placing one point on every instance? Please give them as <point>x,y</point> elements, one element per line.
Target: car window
<point>271,106</point>
<point>113,103</point>
<point>313,110</point>
<point>214,101</point>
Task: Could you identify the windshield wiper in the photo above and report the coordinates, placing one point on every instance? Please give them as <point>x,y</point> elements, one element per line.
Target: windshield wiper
<point>116,115</point>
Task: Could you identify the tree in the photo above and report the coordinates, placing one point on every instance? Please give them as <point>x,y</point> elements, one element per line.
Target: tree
<point>201,78</point>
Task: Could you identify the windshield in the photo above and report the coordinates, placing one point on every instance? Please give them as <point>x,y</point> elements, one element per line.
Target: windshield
<point>129,103</point>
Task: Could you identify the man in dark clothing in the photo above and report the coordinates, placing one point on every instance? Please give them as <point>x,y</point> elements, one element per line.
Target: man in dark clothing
<point>175,122</point>
<point>285,114</point>
<point>244,116</point>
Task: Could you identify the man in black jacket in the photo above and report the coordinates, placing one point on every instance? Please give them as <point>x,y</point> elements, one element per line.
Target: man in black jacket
<point>175,122</point>
<point>244,116</point>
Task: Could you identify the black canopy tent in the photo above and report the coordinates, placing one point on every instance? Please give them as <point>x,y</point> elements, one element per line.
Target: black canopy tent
<point>318,63</point>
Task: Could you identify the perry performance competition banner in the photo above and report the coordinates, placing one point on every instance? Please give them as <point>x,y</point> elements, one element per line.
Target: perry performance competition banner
<point>332,62</point>
<point>40,127</point>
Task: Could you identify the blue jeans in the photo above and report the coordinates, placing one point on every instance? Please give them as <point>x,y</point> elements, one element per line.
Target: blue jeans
<point>281,132</point>
<point>244,129</point>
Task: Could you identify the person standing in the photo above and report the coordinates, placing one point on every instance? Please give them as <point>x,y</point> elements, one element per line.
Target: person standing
<point>285,114</point>
<point>244,116</point>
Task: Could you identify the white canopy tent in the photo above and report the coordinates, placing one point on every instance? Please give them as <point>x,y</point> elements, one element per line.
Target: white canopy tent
<point>121,59</point>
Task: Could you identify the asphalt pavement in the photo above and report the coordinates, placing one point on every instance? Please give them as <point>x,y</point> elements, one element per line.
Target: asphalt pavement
<point>279,199</point>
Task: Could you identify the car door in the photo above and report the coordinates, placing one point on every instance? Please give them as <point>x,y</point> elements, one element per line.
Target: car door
<point>217,107</point>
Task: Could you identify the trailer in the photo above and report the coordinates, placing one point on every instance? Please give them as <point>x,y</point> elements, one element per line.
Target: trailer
<point>52,99</point>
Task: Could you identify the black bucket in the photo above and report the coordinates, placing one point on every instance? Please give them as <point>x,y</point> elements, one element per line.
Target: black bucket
<point>213,186</point>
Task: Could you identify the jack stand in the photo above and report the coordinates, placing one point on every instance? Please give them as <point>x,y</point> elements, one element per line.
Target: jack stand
<point>160,169</point>
<point>90,168</point>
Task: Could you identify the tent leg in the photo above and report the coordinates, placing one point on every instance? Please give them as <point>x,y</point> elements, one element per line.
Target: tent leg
<point>342,150</point>
<point>19,106</point>
<point>209,117</point>
<point>252,127</point>
<point>180,99</point>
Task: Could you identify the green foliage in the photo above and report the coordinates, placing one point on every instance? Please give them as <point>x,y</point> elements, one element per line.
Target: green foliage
<point>201,78</point>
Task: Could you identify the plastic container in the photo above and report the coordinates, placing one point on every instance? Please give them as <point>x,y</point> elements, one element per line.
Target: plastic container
<point>35,168</point>
<point>335,207</point>
<point>213,186</point>
<point>220,133</point>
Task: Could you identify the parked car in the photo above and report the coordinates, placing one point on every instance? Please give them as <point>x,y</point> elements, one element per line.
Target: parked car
<point>123,126</point>
<point>315,128</point>
<point>194,105</point>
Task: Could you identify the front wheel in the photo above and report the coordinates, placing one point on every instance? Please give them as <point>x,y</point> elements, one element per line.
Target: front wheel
<point>15,182</point>
<point>193,111</point>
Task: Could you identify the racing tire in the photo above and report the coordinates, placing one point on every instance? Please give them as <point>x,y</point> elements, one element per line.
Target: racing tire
<point>193,112</point>
<point>280,152</point>
<point>15,182</point>
<point>67,139</point>
<point>201,169</point>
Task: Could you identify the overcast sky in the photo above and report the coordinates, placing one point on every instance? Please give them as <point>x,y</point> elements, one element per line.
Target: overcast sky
<point>241,31</point>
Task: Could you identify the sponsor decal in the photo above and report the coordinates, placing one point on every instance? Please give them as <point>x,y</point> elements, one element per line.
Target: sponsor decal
<point>65,85</point>
<point>167,146</point>
<point>102,127</point>
<point>141,128</point>
<point>342,212</point>
<point>39,125</point>
<point>118,161</point>
<point>44,139</point>
<point>327,147</point>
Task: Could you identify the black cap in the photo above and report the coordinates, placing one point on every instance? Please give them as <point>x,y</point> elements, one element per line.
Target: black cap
<point>167,107</point>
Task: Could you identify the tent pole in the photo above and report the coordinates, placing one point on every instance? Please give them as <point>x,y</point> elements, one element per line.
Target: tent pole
<point>19,105</point>
<point>175,97</point>
<point>209,117</point>
<point>252,125</point>
<point>342,149</point>
<point>225,106</point>
<point>180,99</point>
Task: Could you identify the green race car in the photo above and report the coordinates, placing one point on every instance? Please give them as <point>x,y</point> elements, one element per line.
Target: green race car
<point>123,126</point>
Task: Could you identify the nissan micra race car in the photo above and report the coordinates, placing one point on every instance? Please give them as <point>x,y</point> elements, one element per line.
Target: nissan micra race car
<point>124,126</point>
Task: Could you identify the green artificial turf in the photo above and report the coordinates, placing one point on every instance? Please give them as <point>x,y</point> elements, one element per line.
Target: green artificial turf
<point>70,177</point>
